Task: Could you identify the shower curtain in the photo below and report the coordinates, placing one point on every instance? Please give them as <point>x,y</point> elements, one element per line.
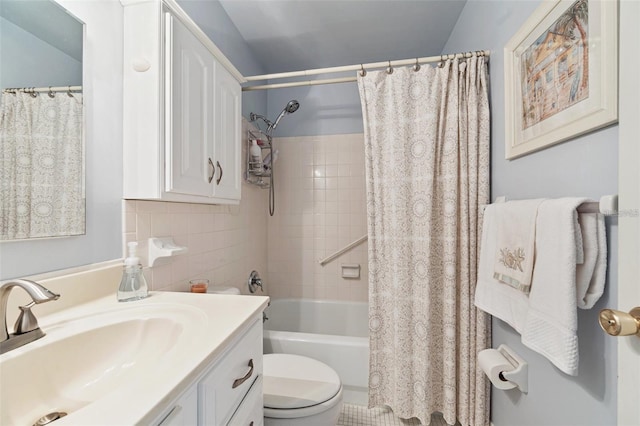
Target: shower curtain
<point>41,166</point>
<point>427,170</point>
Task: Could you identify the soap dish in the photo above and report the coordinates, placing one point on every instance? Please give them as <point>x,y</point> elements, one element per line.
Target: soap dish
<point>163,247</point>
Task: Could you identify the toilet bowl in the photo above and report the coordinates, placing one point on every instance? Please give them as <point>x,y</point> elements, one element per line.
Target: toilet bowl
<point>220,289</point>
<point>300,391</point>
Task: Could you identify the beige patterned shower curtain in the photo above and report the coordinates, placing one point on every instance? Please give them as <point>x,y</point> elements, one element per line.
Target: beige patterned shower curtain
<point>427,170</point>
<point>41,166</point>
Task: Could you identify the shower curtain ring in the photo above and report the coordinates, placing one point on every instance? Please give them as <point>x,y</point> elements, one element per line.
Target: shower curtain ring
<point>33,92</point>
<point>416,67</point>
<point>69,94</point>
<point>51,95</point>
<point>389,69</point>
<point>363,72</point>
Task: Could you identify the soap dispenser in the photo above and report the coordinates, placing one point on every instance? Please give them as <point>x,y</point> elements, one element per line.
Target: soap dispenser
<point>133,285</point>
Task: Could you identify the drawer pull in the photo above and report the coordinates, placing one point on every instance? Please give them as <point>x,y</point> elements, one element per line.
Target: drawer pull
<point>213,170</point>
<point>219,177</point>
<point>238,382</point>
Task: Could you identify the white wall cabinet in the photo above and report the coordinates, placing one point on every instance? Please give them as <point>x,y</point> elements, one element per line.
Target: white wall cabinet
<point>182,109</point>
<point>229,392</point>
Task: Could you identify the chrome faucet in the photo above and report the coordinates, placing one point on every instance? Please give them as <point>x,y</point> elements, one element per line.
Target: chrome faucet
<point>254,282</point>
<point>26,327</point>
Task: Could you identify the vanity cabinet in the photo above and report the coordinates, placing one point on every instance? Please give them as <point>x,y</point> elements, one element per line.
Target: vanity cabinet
<point>182,109</point>
<point>229,392</point>
<point>185,411</point>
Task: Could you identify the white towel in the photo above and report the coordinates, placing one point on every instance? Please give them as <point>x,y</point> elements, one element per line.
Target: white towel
<point>547,317</point>
<point>516,242</point>
<point>551,325</point>
<point>492,296</point>
<point>591,274</point>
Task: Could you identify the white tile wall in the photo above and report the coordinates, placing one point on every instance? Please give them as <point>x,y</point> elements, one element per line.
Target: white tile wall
<point>225,242</point>
<point>320,208</point>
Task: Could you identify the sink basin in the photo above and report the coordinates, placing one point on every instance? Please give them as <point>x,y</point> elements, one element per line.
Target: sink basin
<point>84,360</point>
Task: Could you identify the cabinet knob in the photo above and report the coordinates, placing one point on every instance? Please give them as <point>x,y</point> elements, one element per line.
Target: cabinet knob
<point>141,65</point>
<point>617,323</point>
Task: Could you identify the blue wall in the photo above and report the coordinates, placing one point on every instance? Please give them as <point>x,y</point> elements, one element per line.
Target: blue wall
<point>585,166</point>
<point>214,21</point>
<point>28,61</point>
<point>331,109</point>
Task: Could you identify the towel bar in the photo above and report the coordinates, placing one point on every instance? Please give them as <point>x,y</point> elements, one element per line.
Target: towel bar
<point>608,205</point>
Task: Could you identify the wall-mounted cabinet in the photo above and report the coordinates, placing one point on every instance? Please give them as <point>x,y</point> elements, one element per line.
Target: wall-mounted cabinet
<point>182,109</point>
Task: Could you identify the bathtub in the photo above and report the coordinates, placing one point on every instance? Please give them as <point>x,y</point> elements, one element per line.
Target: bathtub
<point>333,332</point>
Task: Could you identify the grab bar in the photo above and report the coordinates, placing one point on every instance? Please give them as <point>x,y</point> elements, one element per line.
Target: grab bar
<point>343,250</point>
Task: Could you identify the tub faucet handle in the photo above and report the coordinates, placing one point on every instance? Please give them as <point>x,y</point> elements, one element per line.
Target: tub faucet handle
<point>255,281</point>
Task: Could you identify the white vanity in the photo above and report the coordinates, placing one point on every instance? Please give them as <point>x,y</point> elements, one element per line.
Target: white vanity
<point>169,359</point>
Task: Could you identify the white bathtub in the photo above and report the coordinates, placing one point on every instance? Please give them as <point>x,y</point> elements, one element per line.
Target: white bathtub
<point>333,332</point>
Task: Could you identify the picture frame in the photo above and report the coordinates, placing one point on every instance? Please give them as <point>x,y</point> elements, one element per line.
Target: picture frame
<point>561,74</point>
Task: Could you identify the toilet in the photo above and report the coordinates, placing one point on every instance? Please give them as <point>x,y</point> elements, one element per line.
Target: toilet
<point>300,391</point>
<point>220,289</point>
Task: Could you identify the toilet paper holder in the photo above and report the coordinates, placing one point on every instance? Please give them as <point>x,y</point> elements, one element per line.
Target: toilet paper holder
<point>519,376</point>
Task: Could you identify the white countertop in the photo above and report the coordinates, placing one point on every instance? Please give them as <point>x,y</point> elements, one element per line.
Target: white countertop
<point>208,323</point>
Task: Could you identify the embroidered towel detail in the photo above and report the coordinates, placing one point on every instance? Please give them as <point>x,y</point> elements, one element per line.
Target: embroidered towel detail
<point>516,234</point>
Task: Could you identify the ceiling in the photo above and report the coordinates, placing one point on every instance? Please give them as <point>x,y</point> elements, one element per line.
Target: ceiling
<point>292,35</point>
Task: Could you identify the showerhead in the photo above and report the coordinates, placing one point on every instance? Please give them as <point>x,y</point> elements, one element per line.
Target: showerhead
<point>291,107</point>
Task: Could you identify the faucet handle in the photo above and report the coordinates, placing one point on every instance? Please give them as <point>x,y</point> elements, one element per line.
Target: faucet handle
<point>26,320</point>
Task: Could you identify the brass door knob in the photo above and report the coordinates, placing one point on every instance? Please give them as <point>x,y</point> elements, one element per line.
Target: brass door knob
<point>618,323</point>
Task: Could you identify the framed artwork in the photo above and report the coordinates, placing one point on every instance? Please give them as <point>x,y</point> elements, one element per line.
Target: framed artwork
<point>561,74</point>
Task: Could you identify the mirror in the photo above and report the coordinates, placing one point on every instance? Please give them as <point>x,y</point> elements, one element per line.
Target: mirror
<point>42,164</point>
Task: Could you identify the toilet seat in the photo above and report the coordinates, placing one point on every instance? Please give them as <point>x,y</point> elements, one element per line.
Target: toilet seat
<point>297,386</point>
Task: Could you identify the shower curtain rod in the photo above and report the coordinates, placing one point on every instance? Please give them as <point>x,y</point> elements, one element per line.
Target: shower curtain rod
<point>359,67</point>
<point>48,89</point>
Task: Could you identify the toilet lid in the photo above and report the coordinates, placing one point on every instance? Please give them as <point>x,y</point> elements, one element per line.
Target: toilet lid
<point>220,289</point>
<point>294,381</point>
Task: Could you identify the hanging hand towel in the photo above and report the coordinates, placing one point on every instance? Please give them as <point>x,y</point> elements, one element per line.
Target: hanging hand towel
<point>551,323</point>
<point>591,274</point>
<point>492,296</point>
<point>516,235</point>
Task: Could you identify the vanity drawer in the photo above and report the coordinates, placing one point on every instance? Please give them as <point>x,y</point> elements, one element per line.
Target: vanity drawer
<point>251,410</point>
<point>226,385</point>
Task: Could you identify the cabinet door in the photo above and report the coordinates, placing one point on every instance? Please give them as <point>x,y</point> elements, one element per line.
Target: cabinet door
<point>190,112</point>
<point>227,144</point>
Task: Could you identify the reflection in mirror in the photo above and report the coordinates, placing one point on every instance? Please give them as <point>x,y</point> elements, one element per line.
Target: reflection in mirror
<point>42,190</point>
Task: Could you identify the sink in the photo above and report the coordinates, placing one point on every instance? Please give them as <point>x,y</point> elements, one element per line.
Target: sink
<point>89,358</point>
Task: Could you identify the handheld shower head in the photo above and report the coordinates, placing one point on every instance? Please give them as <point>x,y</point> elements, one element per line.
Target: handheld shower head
<point>291,107</point>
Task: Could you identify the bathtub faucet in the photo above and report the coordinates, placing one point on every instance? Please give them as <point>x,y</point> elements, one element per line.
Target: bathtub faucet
<point>255,281</point>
